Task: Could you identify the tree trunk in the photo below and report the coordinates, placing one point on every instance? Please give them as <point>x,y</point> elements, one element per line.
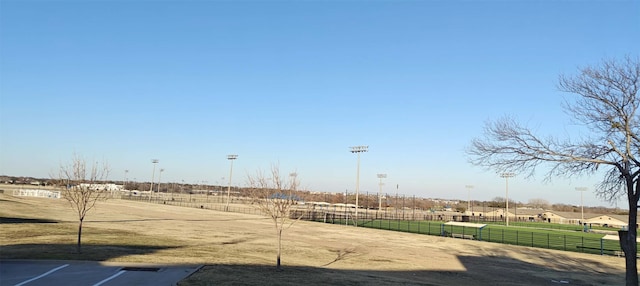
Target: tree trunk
<point>78,249</point>
<point>279,249</point>
<point>628,240</point>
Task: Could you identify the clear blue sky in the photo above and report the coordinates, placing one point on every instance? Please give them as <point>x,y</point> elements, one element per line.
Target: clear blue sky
<point>296,83</point>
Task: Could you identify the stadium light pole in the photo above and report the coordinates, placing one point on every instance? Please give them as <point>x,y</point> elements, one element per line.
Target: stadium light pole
<point>153,175</point>
<point>230,158</point>
<point>126,181</point>
<point>294,177</point>
<point>380,176</point>
<point>159,180</point>
<point>395,203</point>
<point>506,177</point>
<point>358,150</point>
<point>126,172</point>
<point>581,190</point>
<point>124,186</point>
<point>469,187</point>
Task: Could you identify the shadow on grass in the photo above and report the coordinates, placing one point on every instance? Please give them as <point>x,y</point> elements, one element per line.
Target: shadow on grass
<point>8,220</point>
<point>95,252</point>
<point>187,220</point>
<point>477,271</point>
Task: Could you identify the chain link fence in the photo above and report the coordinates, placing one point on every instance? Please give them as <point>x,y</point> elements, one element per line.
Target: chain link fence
<point>412,221</point>
<point>562,239</point>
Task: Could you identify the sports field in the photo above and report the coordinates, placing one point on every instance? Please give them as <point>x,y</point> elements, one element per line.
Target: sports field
<point>239,249</point>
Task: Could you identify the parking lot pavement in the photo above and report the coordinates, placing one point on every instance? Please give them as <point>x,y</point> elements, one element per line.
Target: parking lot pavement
<point>82,273</point>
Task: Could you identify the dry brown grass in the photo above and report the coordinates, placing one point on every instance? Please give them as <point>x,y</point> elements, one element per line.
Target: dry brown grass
<point>239,249</point>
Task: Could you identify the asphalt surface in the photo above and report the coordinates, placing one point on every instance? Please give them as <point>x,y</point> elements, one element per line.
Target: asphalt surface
<point>83,273</point>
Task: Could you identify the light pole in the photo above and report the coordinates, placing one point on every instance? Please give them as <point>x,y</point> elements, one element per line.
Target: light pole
<point>153,175</point>
<point>469,187</point>
<point>159,178</point>
<point>293,185</point>
<point>380,176</point>
<point>395,204</point>
<point>358,150</point>
<point>124,187</point>
<point>506,177</point>
<point>230,158</point>
<point>126,172</point>
<point>581,190</point>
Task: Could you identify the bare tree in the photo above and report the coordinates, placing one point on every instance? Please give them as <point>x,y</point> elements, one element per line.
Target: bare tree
<point>82,188</point>
<point>607,106</point>
<point>539,203</point>
<point>564,208</point>
<point>275,197</point>
<point>499,202</point>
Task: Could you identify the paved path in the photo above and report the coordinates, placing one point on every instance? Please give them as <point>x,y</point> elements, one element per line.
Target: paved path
<point>90,273</point>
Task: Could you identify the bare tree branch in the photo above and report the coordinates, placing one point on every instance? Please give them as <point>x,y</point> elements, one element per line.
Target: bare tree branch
<point>275,197</point>
<point>606,104</point>
<point>82,187</point>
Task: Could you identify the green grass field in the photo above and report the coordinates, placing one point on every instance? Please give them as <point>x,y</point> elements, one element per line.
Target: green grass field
<point>540,235</point>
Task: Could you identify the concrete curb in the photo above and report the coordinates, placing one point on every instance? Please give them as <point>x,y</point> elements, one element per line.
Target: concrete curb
<point>190,273</point>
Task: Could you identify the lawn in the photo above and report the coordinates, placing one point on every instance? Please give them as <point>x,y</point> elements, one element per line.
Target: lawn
<point>540,235</point>
<point>239,249</point>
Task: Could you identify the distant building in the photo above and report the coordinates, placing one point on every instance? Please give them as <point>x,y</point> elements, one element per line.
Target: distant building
<point>616,221</point>
<point>565,217</point>
<point>103,187</point>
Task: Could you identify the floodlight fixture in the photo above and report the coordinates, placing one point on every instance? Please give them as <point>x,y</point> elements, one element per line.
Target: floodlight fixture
<point>358,149</point>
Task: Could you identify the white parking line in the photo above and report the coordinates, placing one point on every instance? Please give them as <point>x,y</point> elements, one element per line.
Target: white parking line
<point>112,276</point>
<point>43,275</point>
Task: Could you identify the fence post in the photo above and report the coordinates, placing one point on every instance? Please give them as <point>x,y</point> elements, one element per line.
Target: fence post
<point>345,211</point>
<point>601,246</point>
